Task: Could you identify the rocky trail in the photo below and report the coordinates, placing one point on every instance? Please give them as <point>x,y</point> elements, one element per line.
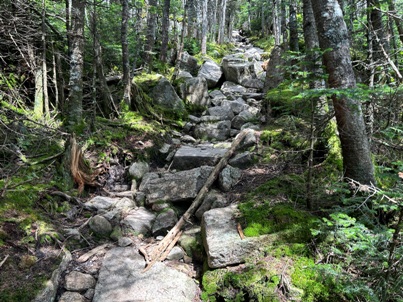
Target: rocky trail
<point>135,217</point>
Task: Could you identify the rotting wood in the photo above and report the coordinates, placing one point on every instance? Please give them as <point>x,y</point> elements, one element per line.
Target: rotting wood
<point>165,245</point>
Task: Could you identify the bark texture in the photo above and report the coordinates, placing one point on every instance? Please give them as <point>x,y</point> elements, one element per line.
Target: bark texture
<point>74,104</point>
<point>333,36</point>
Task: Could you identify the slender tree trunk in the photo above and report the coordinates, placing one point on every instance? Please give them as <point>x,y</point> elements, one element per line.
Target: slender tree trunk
<point>151,29</point>
<point>125,53</point>
<point>293,27</point>
<point>165,31</point>
<point>38,104</point>
<point>54,78</point>
<point>221,26</point>
<point>333,35</point>
<point>44,65</point>
<point>104,93</point>
<point>276,21</point>
<point>74,104</point>
<point>204,28</point>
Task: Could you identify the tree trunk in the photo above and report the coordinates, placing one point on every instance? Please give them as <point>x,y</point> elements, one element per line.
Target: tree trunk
<point>293,27</point>
<point>276,22</point>
<point>125,53</point>
<point>74,104</point>
<point>165,31</point>
<point>333,36</point>
<point>221,25</point>
<point>44,65</point>
<point>151,28</point>
<point>204,28</point>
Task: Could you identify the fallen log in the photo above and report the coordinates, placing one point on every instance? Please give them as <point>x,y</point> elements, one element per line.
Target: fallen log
<point>165,245</point>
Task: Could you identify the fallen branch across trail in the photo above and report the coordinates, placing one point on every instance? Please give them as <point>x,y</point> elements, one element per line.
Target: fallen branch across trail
<point>163,248</point>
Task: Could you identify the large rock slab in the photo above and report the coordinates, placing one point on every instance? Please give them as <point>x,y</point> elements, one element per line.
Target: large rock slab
<point>237,70</point>
<point>211,71</point>
<point>164,95</point>
<point>121,280</point>
<point>194,91</point>
<point>219,131</point>
<point>191,157</point>
<point>174,187</point>
<point>222,241</point>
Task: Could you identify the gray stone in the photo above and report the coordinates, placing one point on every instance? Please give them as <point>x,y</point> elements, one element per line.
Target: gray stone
<point>232,89</point>
<point>71,297</point>
<point>214,199</point>
<point>253,53</point>
<point>124,241</point>
<point>121,279</point>
<point>249,140</point>
<point>211,71</point>
<point>237,70</point>
<point>188,63</point>
<point>217,97</point>
<point>183,75</point>
<point>212,118</point>
<point>100,225</point>
<point>223,111</point>
<point>164,222</point>
<point>191,157</point>
<point>175,254</point>
<point>101,203</point>
<point>228,177</point>
<point>219,131</point>
<point>253,83</point>
<point>194,91</point>
<point>164,95</point>
<point>89,294</point>
<point>242,160</point>
<point>242,118</point>
<point>252,95</point>
<point>140,221</point>
<point>140,199</point>
<point>77,282</point>
<point>194,119</point>
<point>238,106</point>
<point>165,148</point>
<point>250,125</point>
<point>116,233</point>
<point>187,139</point>
<point>159,206</point>
<point>222,241</point>
<point>175,187</point>
<point>138,169</point>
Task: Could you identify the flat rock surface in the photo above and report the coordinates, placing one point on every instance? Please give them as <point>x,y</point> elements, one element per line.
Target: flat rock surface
<point>191,157</point>
<point>174,187</point>
<point>121,280</point>
<point>222,241</point>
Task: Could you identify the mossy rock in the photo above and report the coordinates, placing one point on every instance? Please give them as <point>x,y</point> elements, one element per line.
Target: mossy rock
<point>147,81</point>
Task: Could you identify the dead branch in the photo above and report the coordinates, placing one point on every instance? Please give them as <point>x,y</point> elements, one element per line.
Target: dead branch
<point>165,244</point>
<point>4,260</point>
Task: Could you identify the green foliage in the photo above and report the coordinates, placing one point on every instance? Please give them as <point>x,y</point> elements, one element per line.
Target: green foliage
<point>266,43</point>
<point>353,239</point>
<point>192,46</point>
